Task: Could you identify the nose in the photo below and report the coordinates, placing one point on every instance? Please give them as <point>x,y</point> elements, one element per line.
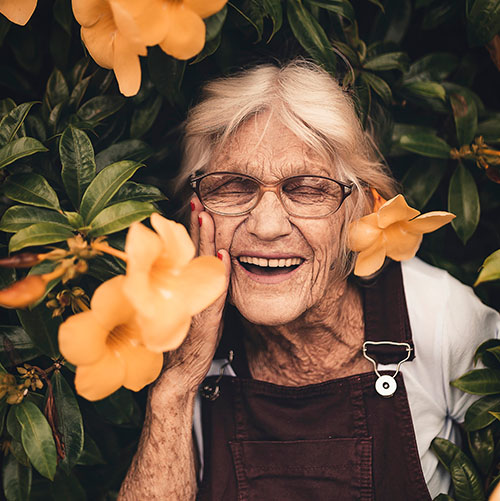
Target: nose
<point>269,220</point>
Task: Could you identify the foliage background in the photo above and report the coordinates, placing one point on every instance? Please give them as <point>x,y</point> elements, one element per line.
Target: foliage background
<point>424,84</point>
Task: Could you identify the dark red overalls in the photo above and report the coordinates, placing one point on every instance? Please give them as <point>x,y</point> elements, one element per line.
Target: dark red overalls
<point>337,440</point>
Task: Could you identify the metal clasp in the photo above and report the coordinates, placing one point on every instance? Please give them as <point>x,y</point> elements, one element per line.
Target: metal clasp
<point>212,391</point>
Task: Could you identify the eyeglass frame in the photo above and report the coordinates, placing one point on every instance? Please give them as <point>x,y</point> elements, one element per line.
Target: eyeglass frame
<point>195,181</point>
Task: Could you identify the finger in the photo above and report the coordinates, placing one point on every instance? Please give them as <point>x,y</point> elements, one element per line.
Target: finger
<point>206,244</point>
<point>194,224</point>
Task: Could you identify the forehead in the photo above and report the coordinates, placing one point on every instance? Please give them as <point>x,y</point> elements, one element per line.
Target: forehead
<point>265,148</point>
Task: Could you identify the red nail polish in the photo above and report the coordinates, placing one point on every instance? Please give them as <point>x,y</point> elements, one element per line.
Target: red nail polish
<point>200,221</point>
<point>219,255</point>
<point>192,206</point>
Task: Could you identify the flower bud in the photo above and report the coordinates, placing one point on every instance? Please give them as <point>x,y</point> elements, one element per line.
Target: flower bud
<point>22,260</point>
<point>23,292</point>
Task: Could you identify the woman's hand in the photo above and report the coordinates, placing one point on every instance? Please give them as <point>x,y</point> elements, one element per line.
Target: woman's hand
<point>187,366</point>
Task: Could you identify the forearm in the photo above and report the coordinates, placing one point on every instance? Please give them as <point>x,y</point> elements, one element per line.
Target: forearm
<point>164,464</point>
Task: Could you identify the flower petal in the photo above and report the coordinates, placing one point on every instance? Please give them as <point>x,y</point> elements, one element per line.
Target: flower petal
<point>99,380</point>
<point>127,66</point>
<point>425,223</point>
<point>179,248</point>
<point>185,35</point>
<point>394,210</point>
<point>99,40</point>
<point>364,232</point>
<point>371,259</point>
<point>205,8</point>
<point>142,366</point>
<point>110,305</point>
<point>400,244</point>
<point>88,12</point>
<point>200,283</point>
<point>143,247</point>
<point>18,11</point>
<point>82,339</point>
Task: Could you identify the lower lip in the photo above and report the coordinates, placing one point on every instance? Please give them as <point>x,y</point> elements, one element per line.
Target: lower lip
<point>269,279</point>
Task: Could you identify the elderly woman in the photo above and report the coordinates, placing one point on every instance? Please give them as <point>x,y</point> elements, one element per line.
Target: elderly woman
<point>293,404</point>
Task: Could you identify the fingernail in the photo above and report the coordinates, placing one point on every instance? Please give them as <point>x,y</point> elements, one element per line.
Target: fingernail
<point>192,206</point>
<point>219,255</point>
<point>200,221</point>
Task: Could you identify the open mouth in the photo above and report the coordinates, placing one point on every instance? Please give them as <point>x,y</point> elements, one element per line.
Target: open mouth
<point>269,266</point>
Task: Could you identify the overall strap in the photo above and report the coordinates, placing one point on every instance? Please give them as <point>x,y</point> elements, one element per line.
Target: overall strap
<point>386,316</point>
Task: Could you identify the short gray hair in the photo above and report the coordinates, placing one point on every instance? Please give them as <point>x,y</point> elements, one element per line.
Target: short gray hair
<point>309,102</point>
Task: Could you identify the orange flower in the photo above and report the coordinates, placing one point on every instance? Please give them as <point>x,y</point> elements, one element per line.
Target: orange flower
<point>103,22</point>
<point>393,230</point>
<point>165,284</point>
<point>105,345</point>
<point>18,11</point>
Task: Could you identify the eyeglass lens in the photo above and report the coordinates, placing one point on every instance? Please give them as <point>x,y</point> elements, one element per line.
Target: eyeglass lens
<point>306,196</point>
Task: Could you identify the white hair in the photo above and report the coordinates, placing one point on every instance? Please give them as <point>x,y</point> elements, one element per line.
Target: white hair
<point>312,105</point>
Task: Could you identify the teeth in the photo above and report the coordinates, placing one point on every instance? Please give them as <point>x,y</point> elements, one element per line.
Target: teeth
<point>272,263</point>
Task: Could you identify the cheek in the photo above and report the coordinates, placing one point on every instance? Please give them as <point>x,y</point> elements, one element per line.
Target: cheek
<point>224,231</point>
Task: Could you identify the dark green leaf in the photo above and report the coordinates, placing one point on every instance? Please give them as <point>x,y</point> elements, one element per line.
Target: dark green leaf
<point>130,149</point>
<point>392,25</point>
<point>40,269</point>
<point>214,24</point>
<point>119,216</point>
<point>78,92</point>
<point>120,408</point>
<point>422,179</point>
<point>17,217</point>
<point>445,451</point>
<point>425,89</point>
<point>490,128</point>
<point>98,108</point>
<point>443,497</point>
<point>274,11</point>
<point>3,413</point>
<point>37,439</point>
<point>63,14</point>
<point>482,447</point>
<point>16,447</point>
<point>434,67</point>
<point>465,115</point>
<point>16,346</point>
<point>379,85</point>
<point>388,61</point>
<point>378,3</point>
<point>91,454</point>
<point>6,105</point>
<point>470,95</point>
<point>57,89</point>
<point>19,148</point>
<point>12,424</point>
<point>483,21</point>
<point>79,70</point>
<point>478,414</point>
<point>74,219</point>
<point>16,479</point>
<point>78,164</point>
<point>490,269</point>
<point>209,48</point>
<point>31,189</point>
<point>70,423</point>
<point>485,356</point>
<point>341,7</point>
<point>145,115</point>
<point>463,201</point>
<point>167,73</point>
<point>311,35</point>
<point>439,14</point>
<point>12,122</point>
<point>41,328</point>
<point>466,480</point>
<point>479,382</point>
<point>67,488</point>
<point>104,186</point>
<point>40,234</point>
<point>425,144</point>
<point>139,192</point>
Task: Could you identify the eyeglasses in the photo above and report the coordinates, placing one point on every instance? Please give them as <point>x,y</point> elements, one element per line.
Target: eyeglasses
<point>232,194</point>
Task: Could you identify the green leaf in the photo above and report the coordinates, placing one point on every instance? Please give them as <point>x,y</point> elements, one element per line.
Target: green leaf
<point>31,189</point>
<point>378,3</point>
<point>6,105</point>
<point>16,346</point>
<point>17,217</point>
<point>40,234</point>
<point>443,497</point>
<point>139,192</point>
<point>16,447</point>
<point>422,180</point>
<point>98,108</point>
<point>432,67</point>
<point>466,480</point>
<point>130,149</point>
<point>145,115</point>
<point>120,408</point>
<point>214,24</point>
<point>482,447</point>
<point>465,115</point>
<point>78,164</point>
<point>445,451</point>
<point>388,61</point>
<point>74,220</point>
<point>78,92</point>
<point>16,479</point>
<point>67,488</point>
<point>166,72</point>
<point>42,329</point>
<point>37,439</point>
<point>478,415</point>
<point>483,21</point>
<point>311,35</point>
<point>479,382</point>
<point>379,85</point>
<point>425,89</point>
<point>119,216</point>
<point>70,423</point>
<point>102,189</point>
<point>57,89</point>
<point>490,269</point>
<point>485,356</point>
<point>12,424</point>
<point>209,48</point>
<point>425,144</point>
<point>392,25</point>
<point>91,454</point>
<point>341,7</point>
<point>12,122</point>
<point>63,15</point>
<point>463,201</point>
<point>19,148</point>
<point>40,269</point>
<point>490,128</point>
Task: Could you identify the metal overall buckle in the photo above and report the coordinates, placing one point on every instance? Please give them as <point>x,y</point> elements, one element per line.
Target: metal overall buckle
<point>211,391</point>
<point>386,385</point>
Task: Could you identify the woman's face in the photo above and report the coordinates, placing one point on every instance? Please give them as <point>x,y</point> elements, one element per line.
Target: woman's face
<point>273,295</point>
